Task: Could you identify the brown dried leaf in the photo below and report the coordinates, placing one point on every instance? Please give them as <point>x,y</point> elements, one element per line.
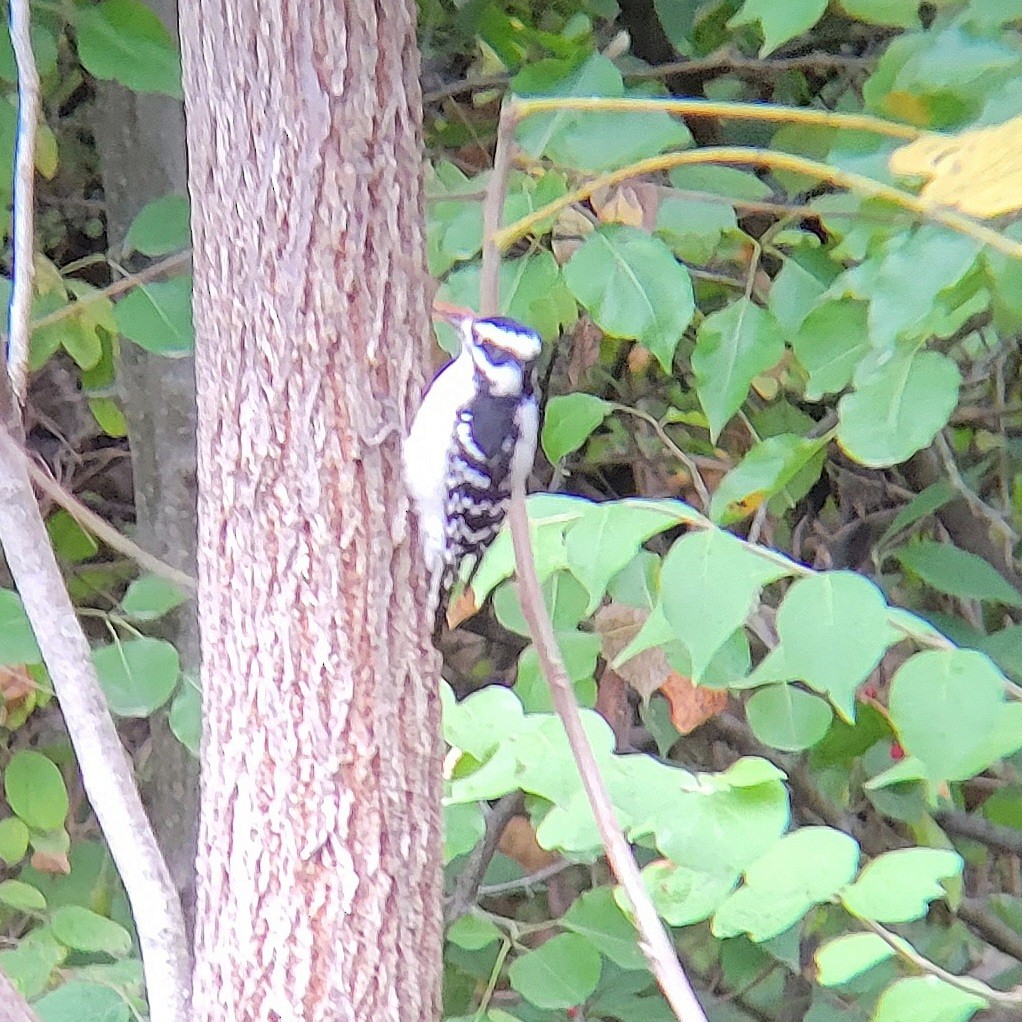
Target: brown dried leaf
<point>15,683</point>
<point>691,705</point>
<point>462,607</point>
<point>639,359</point>
<point>618,206</point>
<point>570,229</point>
<point>617,626</point>
<point>978,172</point>
<point>649,672</point>
<point>51,862</point>
<point>519,842</point>
<point>584,351</point>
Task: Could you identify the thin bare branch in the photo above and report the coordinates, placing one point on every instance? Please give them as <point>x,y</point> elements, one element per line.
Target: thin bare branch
<point>724,62</point>
<point>466,888</point>
<point>654,941</point>
<point>24,199</point>
<point>92,522</point>
<point>118,287</point>
<point>978,828</point>
<point>904,950</point>
<point>105,769</point>
<point>14,1007</point>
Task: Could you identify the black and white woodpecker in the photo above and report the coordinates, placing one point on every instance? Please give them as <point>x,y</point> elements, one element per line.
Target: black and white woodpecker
<point>471,442</point>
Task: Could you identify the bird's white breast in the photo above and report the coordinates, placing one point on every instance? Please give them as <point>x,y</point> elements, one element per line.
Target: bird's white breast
<point>426,449</point>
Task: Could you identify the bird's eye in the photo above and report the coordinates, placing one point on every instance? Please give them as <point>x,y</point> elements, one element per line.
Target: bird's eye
<point>495,355</point>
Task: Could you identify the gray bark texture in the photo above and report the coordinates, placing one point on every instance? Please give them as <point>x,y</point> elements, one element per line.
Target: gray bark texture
<point>141,143</point>
<point>319,869</point>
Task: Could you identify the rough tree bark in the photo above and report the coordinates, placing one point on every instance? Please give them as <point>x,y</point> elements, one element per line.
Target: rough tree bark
<point>319,853</point>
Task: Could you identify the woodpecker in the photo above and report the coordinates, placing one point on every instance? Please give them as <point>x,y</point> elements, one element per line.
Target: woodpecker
<point>471,442</point>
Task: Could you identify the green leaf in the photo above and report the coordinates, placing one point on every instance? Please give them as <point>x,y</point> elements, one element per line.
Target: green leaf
<point>186,716</point>
<point>160,227</point>
<point>685,896</point>
<point>44,47</point>
<point>938,693</point>
<point>732,347</point>
<point>633,287</point>
<point>158,317</point>
<point>921,506</point>
<point>794,293</point>
<point>728,182</point>
<point>21,897</point>
<point>13,840</point>
<point>150,597</point>
<point>709,585</point>
<point>70,541</point>
<point>464,826</point>
<point>590,140</point>
<point>560,973</point>
<point>30,964</point>
<point>950,570</point>
<point>833,629</point>
<point>898,886</point>
<point>472,933</point>
<point>692,227</point>
<point>532,291</point>
<point>108,416</point>
<point>597,916</point>
<point>896,13</point>
<point>901,298</point>
<point>831,342</point>
<point>607,538</point>
<point>844,958</point>
<point>899,410</point>
<point>569,421</point>
<point>926,999</point>
<point>730,822</point>
<point>125,41</point>
<point>779,21</point>
<point>786,718</point>
<point>766,470</point>
<point>77,1000</point>
<point>84,930</point>
<point>137,676</point>
<point>35,790</point>
<point>17,640</point>
<point>804,868</point>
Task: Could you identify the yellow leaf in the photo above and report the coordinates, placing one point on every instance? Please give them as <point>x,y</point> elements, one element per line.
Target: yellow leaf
<point>904,106</point>
<point>978,172</point>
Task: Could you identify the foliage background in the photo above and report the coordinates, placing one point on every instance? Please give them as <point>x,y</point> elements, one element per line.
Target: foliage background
<point>817,757</point>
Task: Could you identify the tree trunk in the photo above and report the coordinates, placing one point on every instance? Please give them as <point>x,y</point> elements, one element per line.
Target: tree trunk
<point>319,843</point>
<point>140,139</point>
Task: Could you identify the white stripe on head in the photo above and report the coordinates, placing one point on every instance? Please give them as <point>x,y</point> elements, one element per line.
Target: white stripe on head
<point>521,342</point>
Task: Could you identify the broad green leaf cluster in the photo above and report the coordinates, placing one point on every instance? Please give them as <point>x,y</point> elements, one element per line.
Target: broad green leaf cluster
<point>823,381</point>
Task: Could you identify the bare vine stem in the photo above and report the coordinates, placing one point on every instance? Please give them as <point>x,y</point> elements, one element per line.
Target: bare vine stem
<point>105,768</point>
<point>23,242</point>
<point>904,950</point>
<point>779,161</point>
<point>776,113</point>
<point>98,526</point>
<point>654,941</point>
